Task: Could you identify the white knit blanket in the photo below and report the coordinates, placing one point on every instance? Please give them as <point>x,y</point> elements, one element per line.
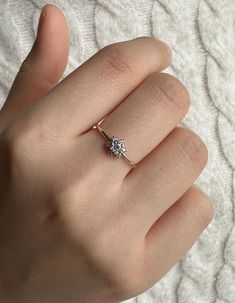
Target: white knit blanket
<point>201,34</point>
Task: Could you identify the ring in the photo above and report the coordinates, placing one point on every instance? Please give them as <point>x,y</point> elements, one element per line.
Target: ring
<point>116,146</point>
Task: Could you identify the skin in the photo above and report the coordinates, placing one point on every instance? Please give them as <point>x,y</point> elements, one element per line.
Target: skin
<point>76,224</point>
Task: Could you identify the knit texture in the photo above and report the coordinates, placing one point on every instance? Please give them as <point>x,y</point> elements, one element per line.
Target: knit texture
<point>201,35</point>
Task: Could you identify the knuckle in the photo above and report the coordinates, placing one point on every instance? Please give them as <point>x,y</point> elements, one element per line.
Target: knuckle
<point>194,148</point>
<point>13,140</point>
<point>118,60</point>
<point>19,141</point>
<point>173,92</point>
<point>11,152</point>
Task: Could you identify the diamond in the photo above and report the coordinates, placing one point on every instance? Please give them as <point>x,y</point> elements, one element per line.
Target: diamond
<point>116,146</point>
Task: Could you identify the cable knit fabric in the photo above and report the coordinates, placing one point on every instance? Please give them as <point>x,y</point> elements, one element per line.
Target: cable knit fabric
<point>201,35</point>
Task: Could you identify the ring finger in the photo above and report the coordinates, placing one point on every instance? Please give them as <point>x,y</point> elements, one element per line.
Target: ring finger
<point>143,120</point>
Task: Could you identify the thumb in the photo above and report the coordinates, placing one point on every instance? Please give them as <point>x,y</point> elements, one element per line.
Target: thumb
<point>42,68</point>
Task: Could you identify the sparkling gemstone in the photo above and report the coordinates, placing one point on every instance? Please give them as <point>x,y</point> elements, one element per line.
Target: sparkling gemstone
<point>116,147</point>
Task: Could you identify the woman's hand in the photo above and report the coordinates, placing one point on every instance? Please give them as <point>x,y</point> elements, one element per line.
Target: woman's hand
<point>77,224</point>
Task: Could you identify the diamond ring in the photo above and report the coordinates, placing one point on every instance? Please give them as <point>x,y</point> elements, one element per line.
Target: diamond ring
<point>116,146</point>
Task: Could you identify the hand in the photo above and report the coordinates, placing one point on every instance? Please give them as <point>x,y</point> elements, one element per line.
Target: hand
<point>77,224</point>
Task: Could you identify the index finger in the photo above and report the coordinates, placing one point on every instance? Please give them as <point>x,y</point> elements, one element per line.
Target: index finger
<point>93,90</point>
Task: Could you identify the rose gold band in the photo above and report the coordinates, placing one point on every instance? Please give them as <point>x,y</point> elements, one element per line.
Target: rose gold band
<point>119,143</point>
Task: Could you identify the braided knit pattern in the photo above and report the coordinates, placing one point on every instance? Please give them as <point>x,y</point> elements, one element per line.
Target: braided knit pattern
<point>201,34</point>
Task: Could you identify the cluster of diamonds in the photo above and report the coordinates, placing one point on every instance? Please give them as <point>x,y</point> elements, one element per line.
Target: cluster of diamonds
<point>116,147</point>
